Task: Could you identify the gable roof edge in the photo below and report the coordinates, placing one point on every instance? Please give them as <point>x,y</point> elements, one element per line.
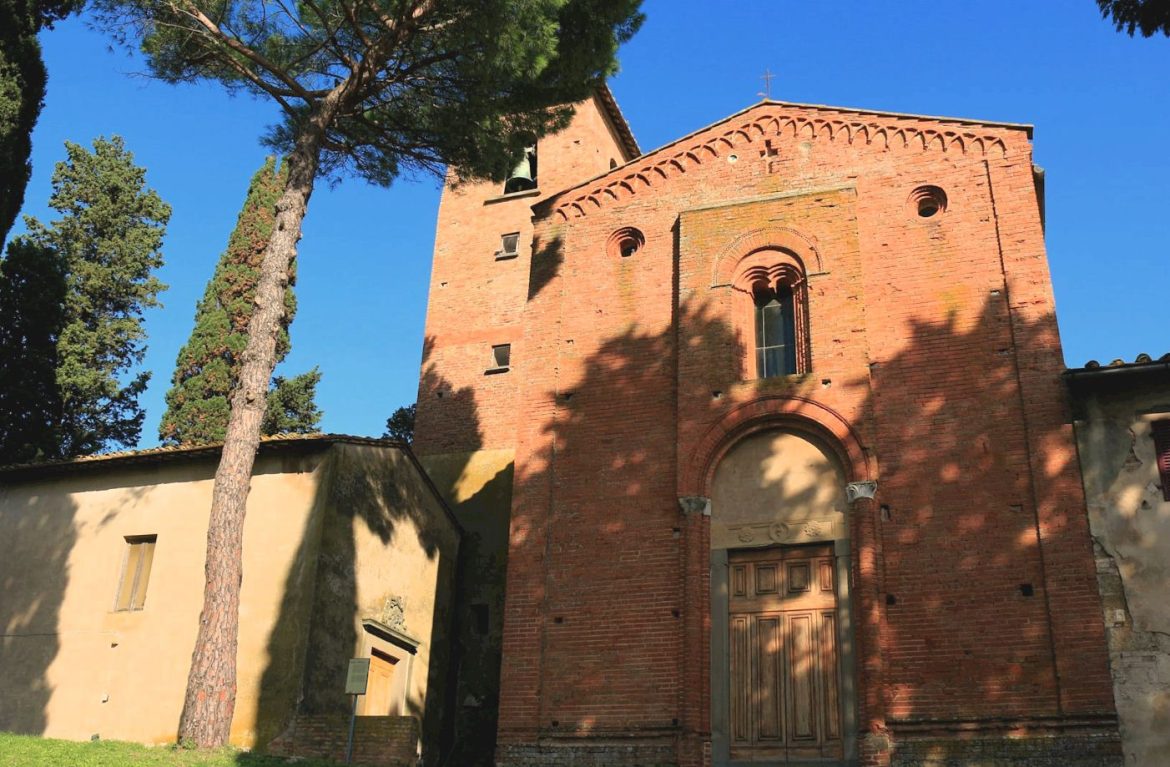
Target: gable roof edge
<point>547,203</point>
<point>620,125</point>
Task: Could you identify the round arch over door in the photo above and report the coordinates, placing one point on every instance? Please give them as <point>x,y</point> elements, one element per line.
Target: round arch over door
<point>781,642</point>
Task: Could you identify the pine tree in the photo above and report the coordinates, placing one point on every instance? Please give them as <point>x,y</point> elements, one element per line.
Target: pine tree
<point>199,401</point>
<point>32,313</point>
<point>375,89</point>
<point>109,239</point>
<point>1150,17</point>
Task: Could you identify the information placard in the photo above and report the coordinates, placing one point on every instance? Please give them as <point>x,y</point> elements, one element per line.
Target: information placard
<point>357,676</point>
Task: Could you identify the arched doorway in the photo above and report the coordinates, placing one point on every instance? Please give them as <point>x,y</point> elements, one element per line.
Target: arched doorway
<point>781,642</point>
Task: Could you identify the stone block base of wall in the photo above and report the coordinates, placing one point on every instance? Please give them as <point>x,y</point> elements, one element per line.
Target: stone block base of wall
<point>611,753</point>
<point>1068,750</point>
<point>378,741</point>
<point>1077,748</point>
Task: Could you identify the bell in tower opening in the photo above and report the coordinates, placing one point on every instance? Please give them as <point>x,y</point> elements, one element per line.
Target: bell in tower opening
<point>523,176</point>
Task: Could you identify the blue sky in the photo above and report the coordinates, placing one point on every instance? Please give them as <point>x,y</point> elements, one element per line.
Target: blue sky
<point>1098,100</point>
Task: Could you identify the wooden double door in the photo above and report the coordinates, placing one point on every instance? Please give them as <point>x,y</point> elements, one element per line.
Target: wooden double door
<point>785,690</point>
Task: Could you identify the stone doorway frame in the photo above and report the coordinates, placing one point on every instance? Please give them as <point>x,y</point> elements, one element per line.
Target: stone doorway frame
<point>705,572</point>
<point>720,661</point>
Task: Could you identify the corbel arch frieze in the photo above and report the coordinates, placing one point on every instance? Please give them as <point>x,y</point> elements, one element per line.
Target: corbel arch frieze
<point>856,129</point>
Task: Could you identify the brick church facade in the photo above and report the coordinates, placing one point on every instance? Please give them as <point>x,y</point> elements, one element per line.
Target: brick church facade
<point>761,442</point>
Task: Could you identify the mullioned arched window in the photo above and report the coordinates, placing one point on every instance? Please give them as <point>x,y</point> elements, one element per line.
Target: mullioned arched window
<point>775,294</point>
<point>775,328</point>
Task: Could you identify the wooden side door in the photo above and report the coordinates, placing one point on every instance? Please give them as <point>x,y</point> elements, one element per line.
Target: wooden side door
<point>785,699</point>
<point>379,697</point>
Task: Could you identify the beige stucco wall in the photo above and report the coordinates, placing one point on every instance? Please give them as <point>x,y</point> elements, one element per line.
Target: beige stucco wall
<point>385,536</point>
<point>72,667</point>
<point>1130,524</point>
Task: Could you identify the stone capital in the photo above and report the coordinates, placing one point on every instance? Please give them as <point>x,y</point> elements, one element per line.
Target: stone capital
<point>857,490</point>
<point>695,504</point>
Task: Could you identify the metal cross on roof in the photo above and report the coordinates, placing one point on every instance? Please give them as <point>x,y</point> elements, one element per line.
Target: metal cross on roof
<point>767,78</point>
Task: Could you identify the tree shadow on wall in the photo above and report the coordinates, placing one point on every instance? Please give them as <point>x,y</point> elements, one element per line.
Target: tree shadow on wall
<point>596,596</point>
<point>596,548</point>
<point>40,527</point>
<point>969,464</point>
<point>37,525</point>
<point>478,488</point>
<point>365,501</point>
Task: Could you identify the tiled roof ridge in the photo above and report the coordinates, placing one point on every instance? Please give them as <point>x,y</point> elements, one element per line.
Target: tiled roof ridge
<point>1138,361</point>
<point>161,451</point>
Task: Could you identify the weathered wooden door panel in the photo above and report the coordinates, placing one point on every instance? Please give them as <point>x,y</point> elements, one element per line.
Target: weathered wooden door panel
<point>785,701</point>
<point>802,698</point>
<point>741,684</point>
<point>769,690</point>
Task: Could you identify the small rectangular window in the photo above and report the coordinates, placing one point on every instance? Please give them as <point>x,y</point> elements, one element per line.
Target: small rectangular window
<point>501,358</point>
<point>1161,434</point>
<point>136,572</point>
<point>509,245</point>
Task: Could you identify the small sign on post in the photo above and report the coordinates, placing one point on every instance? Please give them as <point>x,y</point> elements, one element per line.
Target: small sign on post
<point>357,676</point>
<point>356,679</point>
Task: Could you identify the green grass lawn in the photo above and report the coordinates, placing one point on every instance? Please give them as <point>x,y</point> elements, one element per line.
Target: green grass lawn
<point>31,751</point>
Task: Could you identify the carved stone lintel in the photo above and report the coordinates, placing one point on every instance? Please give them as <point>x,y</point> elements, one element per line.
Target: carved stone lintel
<point>695,504</point>
<point>856,490</point>
<point>821,529</point>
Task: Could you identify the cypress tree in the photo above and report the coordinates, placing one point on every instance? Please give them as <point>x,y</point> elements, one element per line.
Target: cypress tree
<point>199,401</point>
<point>109,242</point>
<point>32,313</point>
<point>400,424</point>
<point>22,90</point>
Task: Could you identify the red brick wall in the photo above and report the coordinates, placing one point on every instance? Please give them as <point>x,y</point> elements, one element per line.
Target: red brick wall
<point>477,301</point>
<point>379,741</point>
<point>934,367</point>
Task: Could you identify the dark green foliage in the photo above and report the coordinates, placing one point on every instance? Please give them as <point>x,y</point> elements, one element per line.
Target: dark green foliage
<point>1148,16</point>
<point>109,239</point>
<point>198,403</point>
<point>22,89</point>
<point>32,313</point>
<point>400,425</point>
<point>291,408</point>
<point>465,83</point>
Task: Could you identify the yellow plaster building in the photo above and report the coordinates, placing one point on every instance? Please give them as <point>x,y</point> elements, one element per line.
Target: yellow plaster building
<point>348,552</point>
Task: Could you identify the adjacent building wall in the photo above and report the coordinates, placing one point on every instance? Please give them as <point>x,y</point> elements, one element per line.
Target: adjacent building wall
<point>331,533</point>
<point>387,553</point>
<point>72,667</point>
<point>1130,522</point>
<point>478,487</point>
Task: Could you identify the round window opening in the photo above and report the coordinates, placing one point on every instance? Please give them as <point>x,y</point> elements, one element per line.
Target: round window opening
<point>928,201</point>
<point>625,242</point>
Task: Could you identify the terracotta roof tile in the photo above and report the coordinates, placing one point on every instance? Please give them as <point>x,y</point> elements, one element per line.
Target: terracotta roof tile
<point>1139,361</point>
<point>169,452</point>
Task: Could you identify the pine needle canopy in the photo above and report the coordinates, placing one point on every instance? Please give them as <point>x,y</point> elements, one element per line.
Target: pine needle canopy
<point>421,83</point>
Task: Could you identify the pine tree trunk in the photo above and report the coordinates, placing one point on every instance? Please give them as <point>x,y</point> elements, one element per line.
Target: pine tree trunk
<point>211,684</point>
